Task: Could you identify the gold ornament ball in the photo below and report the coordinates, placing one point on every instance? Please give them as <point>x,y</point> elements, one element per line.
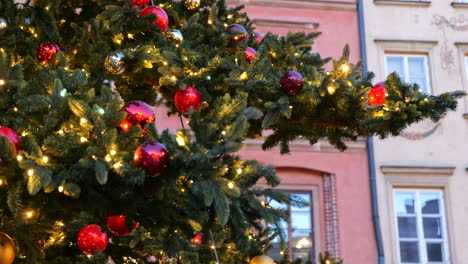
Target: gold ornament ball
<point>7,249</point>
<point>262,259</point>
<point>175,34</point>
<point>192,4</point>
<point>114,63</point>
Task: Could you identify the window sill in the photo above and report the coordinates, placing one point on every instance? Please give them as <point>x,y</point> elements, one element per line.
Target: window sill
<point>465,115</point>
<point>417,170</point>
<point>459,5</point>
<point>403,3</point>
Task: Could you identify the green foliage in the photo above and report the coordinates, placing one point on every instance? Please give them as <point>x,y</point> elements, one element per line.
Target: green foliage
<point>75,166</point>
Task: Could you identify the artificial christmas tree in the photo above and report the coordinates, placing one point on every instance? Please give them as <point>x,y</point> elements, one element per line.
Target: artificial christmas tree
<point>77,164</point>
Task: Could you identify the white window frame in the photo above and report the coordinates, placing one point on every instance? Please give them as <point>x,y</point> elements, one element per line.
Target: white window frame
<point>419,225</point>
<point>466,60</point>
<point>406,68</point>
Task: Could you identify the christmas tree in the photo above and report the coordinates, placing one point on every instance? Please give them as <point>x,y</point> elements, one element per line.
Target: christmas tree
<point>86,176</point>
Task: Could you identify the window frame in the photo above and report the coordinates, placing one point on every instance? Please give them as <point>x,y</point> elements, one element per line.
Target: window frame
<point>419,225</point>
<point>405,57</point>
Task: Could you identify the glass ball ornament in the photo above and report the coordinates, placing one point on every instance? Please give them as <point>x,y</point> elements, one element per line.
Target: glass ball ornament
<point>91,239</point>
<point>114,63</point>
<point>7,249</point>
<point>377,95</point>
<point>152,157</point>
<point>12,136</point>
<point>175,35</point>
<point>192,4</point>
<point>291,82</point>
<point>262,259</point>
<point>137,3</point>
<point>138,114</point>
<point>237,33</point>
<point>162,20</point>
<point>258,37</point>
<point>46,51</point>
<point>250,54</point>
<point>117,224</point>
<point>3,23</point>
<point>189,98</point>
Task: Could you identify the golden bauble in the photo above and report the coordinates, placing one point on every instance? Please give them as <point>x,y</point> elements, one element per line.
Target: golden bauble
<point>262,259</point>
<point>192,4</point>
<point>7,249</point>
<point>114,63</point>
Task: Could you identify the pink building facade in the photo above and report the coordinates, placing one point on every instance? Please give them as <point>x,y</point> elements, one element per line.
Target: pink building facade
<point>336,184</point>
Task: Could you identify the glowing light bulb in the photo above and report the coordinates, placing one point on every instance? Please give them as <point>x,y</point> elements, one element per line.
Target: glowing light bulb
<point>83,120</point>
<point>29,214</point>
<point>83,139</point>
<point>113,152</point>
<point>60,188</point>
<point>345,67</point>
<point>2,82</point>
<point>45,159</point>
<point>239,171</point>
<point>30,172</point>
<point>230,185</point>
<point>19,158</point>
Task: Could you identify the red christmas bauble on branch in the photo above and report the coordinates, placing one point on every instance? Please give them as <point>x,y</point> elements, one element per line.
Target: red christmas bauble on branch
<point>187,99</point>
<point>137,3</point>
<point>377,95</point>
<point>117,224</point>
<point>250,54</point>
<point>12,136</point>
<point>292,82</point>
<point>152,157</point>
<point>46,51</point>
<point>258,37</point>
<point>162,20</point>
<point>237,33</point>
<point>138,114</point>
<point>91,239</point>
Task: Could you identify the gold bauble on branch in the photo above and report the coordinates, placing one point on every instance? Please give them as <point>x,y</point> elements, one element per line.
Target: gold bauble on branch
<point>262,259</point>
<point>192,4</point>
<point>7,249</point>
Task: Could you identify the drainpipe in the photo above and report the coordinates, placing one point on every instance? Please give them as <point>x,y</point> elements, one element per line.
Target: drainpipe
<point>370,145</point>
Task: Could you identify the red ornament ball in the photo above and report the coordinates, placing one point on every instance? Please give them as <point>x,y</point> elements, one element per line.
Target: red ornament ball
<point>152,157</point>
<point>187,99</point>
<point>377,95</point>
<point>91,239</point>
<point>250,54</point>
<point>137,3</point>
<point>237,33</point>
<point>117,224</point>
<point>198,239</point>
<point>292,82</point>
<point>138,114</point>
<point>258,37</point>
<point>162,20</point>
<point>12,136</point>
<point>46,51</point>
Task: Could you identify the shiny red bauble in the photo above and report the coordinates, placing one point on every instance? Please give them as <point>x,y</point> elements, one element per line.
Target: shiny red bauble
<point>292,82</point>
<point>152,157</point>
<point>117,224</point>
<point>137,3</point>
<point>198,239</point>
<point>187,99</point>
<point>237,33</point>
<point>250,54</point>
<point>46,51</point>
<point>258,37</point>
<point>138,114</point>
<point>12,136</point>
<point>91,239</point>
<point>162,20</point>
<point>377,95</point>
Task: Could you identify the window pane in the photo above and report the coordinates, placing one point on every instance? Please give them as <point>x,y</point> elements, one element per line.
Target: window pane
<point>301,223</point>
<point>432,227</point>
<point>407,227</point>
<point>275,253</point>
<point>417,72</point>
<point>429,203</point>
<point>404,202</point>
<point>395,64</point>
<point>409,252</point>
<point>434,252</point>
<point>283,224</point>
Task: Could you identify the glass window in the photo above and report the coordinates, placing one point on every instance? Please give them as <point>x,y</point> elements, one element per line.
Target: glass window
<point>420,223</point>
<point>298,230</point>
<point>411,69</point>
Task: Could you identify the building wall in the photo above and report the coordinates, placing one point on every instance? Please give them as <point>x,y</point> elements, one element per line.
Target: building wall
<point>428,154</point>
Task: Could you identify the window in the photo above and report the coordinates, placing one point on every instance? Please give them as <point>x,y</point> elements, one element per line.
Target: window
<point>411,68</point>
<point>420,226</point>
<point>299,231</point>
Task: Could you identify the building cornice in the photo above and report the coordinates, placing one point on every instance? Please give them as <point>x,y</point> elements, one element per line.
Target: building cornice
<point>433,42</point>
<point>459,5</point>
<point>321,4</point>
<point>285,23</point>
<point>417,170</point>
<point>403,3</point>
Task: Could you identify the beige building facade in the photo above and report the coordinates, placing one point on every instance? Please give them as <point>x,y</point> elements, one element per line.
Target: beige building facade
<point>422,178</point>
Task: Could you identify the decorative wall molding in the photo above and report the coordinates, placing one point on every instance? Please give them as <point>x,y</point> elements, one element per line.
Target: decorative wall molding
<point>403,3</point>
<point>321,146</point>
<point>459,5</point>
<point>417,170</point>
<point>332,233</point>
<point>320,4</point>
<point>285,23</point>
